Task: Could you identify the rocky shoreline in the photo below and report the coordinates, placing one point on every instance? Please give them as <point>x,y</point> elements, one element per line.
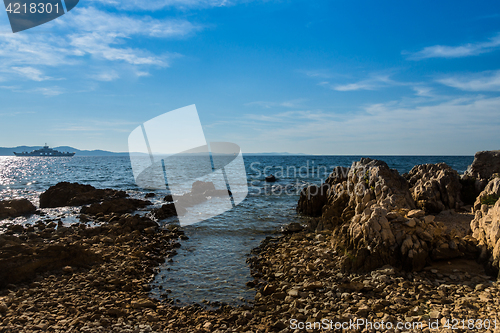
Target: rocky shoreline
<point>403,250</point>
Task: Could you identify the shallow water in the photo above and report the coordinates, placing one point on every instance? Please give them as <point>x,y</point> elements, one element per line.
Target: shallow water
<point>210,265</point>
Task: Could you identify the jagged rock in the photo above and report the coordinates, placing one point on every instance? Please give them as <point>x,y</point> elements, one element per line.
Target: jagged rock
<point>312,199</point>
<point>338,175</point>
<point>435,187</point>
<point>168,198</point>
<point>74,194</point>
<point>119,206</point>
<point>16,207</point>
<point>489,195</point>
<point>374,221</point>
<point>485,164</point>
<point>486,224</point>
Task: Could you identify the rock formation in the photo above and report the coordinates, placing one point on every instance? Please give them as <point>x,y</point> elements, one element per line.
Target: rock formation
<point>486,224</point>
<point>435,187</point>
<point>374,218</point>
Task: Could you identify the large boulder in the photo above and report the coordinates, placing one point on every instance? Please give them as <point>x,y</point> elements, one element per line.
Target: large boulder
<point>74,194</point>
<point>486,224</point>
<point>435,187</point>
<point>15,208</point>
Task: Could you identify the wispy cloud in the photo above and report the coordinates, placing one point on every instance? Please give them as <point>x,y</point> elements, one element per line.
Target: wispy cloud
<point>90,32</point>
<point>484,81</point>
<point>160,4</point>
<point>465,50</point>
<point>31,73</point>
<point>106,76</point>
<point>373,82</point>
<point>386,128</point>
<point>295,103</point>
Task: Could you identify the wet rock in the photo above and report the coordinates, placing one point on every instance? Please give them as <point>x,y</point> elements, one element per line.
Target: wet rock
<point>270,179</point>
<point>74,194</point>
<point>117,206</point>
<point>167,210</point>
<point>149,195</point>
<point>15,208</point>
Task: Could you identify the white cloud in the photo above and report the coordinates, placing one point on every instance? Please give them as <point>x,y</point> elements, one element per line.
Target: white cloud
<point>106,76</point>
<point>484,81</point>
<point>466,50</point>
<point>374,82</point>
<point>31,73</point>
<point>160,4</point>
<point>449,127</point>
<point>295,103</point>
<point>90,32</point>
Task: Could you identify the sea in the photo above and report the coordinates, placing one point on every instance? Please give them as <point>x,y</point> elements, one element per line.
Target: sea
<point>210,265</point>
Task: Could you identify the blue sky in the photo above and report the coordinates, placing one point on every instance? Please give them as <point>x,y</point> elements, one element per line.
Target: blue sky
<point>319,77</point>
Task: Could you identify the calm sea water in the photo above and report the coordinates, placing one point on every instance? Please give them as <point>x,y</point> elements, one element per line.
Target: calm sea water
<point>210,265</point>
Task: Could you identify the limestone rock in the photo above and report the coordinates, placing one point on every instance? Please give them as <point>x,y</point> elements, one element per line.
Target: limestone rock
<point>485,164</point>
<point>486,224</point>
<point>435,187</point>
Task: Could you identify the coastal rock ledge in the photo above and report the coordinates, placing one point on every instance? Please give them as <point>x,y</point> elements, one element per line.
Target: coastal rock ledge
<point>378,217</point>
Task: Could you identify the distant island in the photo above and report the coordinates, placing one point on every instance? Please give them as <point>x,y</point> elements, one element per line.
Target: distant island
<point>10,151</point>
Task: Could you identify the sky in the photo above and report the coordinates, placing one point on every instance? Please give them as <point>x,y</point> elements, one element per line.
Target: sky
<point>317,77</point>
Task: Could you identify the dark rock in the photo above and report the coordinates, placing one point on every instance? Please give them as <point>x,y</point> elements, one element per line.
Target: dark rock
<point>118,206</point>
<point>16,207</point>
<point>292,228</point>
<point>168,198</point>
<point>270,179</point>
<point>312,199</point>
<point>166,211</point>
<point>150,195</point>
<point>74,194</point>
